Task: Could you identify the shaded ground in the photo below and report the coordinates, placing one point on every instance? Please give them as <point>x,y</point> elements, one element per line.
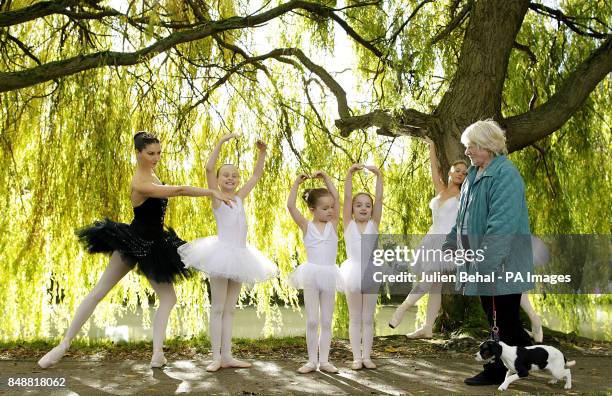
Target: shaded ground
<point>433,367</point>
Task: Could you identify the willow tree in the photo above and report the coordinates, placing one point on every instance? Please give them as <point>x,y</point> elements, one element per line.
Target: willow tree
<point>189,69</point>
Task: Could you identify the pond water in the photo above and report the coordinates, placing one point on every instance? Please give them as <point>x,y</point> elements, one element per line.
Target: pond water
<point>248,325</point>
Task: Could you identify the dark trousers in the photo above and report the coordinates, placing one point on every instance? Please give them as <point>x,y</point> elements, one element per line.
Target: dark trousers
<point>510,328</point>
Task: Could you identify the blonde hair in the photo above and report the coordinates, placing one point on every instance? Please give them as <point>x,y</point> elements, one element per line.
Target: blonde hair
<point>365,194</point>
<point>486,135</point>
<point>459,161</point>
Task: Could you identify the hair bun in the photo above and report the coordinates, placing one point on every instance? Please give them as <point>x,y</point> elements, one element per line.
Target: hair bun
<point>143,138</point>
<point>306,194</point>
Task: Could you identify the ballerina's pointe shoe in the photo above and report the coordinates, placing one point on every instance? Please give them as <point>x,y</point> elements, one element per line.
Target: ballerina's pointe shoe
<point>420,333</point>
<point>214,366</point>
<point>158,360</point>
<point>357,364</point>
<point>369,364</point>
<point>307,368</point>
<point>397,317</point>
<point>235,363</point>
<point>537,332</point>
<point>53,356</point>
<point>328,368</point>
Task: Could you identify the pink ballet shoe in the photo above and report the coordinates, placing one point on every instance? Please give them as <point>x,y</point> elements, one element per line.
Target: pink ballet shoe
<point>53,356</point>
<point>307,368</point>
<point>328,368</point>
<point>357,364</point>
<point>420,333</point>
<point>214,366</point>
<point>158,359</point>
<point>227,362</point>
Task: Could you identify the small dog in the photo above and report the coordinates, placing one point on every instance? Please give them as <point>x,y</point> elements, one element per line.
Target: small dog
<point>519,360</point>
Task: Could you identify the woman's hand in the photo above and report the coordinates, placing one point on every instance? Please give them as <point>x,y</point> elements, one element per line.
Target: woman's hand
<point>228,137</point>
<point>224,197</point>
<point>261,146</point>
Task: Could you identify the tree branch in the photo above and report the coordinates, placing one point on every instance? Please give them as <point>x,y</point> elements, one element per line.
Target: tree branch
<point>404,122</point>
<point>453,24</point>
<point>412,15</point>
<point>526,128</point>
<point>52,70</point>
<point>46,8</point>
<point>37,10</point>
<point>24,48</point>
<point>567,20</point>
<point>527,50</point>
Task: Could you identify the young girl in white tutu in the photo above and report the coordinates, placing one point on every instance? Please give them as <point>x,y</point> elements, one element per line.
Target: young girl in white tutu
<point>226,258</point>
<point>361,215</point>
<point>319,276</point>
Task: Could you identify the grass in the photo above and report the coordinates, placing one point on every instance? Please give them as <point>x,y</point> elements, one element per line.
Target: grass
<point>280,347</point>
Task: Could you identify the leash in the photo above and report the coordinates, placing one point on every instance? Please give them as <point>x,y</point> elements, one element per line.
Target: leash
<point>495,329</point>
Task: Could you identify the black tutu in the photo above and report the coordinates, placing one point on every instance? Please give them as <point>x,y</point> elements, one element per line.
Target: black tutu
<point>144,243</point>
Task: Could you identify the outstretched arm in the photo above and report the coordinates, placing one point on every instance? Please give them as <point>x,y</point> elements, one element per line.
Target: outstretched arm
<point>347,210</point>
<point>438,183</point>
<point>211,175</point>
<point>378,198</point>
<point>257,173</point>
<point>299,219</point>
<point>149,189</point>
<point>333,191</point>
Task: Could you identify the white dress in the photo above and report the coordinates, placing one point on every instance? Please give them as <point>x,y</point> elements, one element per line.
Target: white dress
<point>320,271</point>
<point>356,273</point>
<point>444,216</point>
<point>227,254</point>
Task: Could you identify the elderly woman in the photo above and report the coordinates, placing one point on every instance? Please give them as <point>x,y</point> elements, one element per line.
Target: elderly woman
<point>493,218</point>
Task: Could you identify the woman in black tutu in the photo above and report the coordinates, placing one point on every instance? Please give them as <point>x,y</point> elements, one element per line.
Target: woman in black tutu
<point>143,244</point>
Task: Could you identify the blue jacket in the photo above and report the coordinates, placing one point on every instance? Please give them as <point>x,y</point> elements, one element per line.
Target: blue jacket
<point>498,223</point>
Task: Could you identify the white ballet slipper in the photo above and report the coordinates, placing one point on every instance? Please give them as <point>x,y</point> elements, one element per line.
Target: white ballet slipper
<point>397,316</point>
<point>227,362</point>
<point>158,359</point>
<point>307,368</point>
<point>369,364</point>
<point>536,332</point>
<point>357,364</point>
<point>215,365</point>
<point>53,356</point>
<point>328,368</point>
<point>423,332</point>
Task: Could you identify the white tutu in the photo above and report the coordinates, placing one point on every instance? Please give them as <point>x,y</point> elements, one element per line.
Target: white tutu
<point>443,215</point>
<point>432,256</point>
<point>357,279</point>
<point>317,276</point>
<point>541,255</point>
<point>219,259</point>
<point>358,276</point>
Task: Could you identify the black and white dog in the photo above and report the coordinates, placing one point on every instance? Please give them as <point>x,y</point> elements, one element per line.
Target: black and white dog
<point>519,360</point>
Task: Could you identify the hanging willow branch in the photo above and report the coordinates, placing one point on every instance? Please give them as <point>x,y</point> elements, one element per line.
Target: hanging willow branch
<point>62,68</point>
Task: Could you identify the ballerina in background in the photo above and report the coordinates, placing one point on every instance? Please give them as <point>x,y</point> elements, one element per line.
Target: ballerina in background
<point>444,207</point>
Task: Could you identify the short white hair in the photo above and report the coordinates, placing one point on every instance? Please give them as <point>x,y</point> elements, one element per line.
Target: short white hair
<point>486,134</point>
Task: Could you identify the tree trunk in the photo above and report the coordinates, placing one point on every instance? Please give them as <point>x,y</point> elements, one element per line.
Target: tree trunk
<point>474,94</point>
